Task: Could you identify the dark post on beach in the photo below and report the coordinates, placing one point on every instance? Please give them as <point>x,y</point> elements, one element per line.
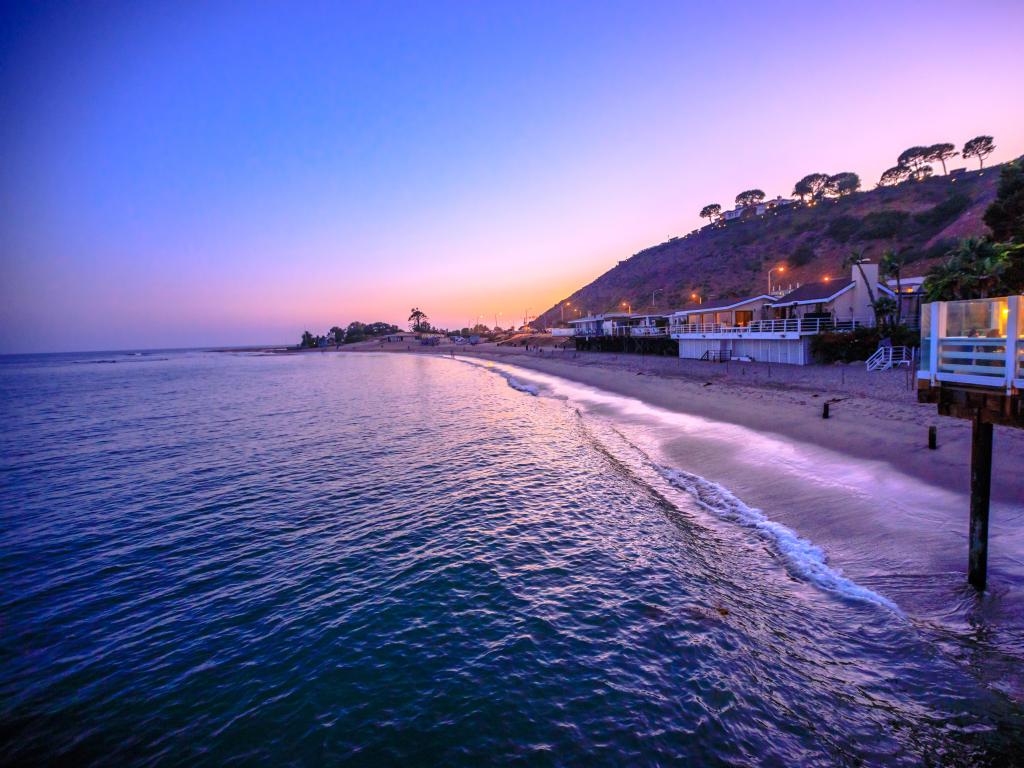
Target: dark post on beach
<point>981,487</point>
<point>933,437</point>
<point>824,411</point>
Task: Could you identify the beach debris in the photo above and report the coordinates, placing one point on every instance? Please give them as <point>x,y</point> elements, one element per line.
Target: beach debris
<point>707,383</point>
<point>933,437</point>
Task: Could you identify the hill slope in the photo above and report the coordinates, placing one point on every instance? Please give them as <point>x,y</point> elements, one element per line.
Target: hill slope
<point>921,219</point>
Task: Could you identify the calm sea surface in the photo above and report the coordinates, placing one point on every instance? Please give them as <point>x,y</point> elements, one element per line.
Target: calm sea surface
<point>402,560</point>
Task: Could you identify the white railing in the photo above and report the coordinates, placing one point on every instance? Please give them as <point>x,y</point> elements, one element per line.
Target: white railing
<point>885,358</point>
<point>960,345</point>
<point>973,357</point>
<point>648,330</point>
<point>791,325</point>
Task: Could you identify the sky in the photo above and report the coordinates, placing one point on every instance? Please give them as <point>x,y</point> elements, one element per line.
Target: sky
<point>202,174</point>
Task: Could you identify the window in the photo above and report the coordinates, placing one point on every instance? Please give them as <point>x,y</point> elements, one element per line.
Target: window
<point>744,317</point>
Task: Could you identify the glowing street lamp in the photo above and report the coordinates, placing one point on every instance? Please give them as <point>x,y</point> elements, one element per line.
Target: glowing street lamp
<point>780,270</point>
<point>698,298</point>
<point>629,309</point>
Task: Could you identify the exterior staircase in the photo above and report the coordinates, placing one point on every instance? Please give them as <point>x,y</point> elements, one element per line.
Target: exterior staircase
<point>885,358</point>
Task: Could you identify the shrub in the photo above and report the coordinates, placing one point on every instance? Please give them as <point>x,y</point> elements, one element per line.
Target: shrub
<point>843,228</point>
<point>883,224</point>
<point>802,255</point>
<point>944,212</point>
<point>936,250</point>
<point>859,344</point>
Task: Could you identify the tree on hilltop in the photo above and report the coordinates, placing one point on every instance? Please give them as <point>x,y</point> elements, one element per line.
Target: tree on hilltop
<point>979,147</point>
<point>916,159</point>
<point>811,186</point>
<point>749,197</point>
<point>895,175</point>
<point>711,212</point>
<point>842,184</point>
<point>940,153</point>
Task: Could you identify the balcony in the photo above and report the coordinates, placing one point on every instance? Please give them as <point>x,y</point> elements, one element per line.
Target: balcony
<point>791,328</point>
<point>977,343</point>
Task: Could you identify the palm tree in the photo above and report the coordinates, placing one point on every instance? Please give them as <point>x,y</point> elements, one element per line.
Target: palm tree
<point>856,259</point>
<point>891,265</point>
<point>972,270</point>
<point>417,317</point>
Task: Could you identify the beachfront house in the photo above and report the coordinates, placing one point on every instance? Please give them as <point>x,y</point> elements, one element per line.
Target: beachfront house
<point>778,329</point>
<point>596,326</point>
<point>640,325</point>
<point>723,313</point>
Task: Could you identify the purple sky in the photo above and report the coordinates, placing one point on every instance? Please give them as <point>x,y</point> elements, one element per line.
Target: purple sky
<point>233,173</point>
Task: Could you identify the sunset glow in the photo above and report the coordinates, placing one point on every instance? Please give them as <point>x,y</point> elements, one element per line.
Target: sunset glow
<point>233,175</point>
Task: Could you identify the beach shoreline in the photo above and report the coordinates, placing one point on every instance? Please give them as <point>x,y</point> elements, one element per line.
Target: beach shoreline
<point>872,416</point>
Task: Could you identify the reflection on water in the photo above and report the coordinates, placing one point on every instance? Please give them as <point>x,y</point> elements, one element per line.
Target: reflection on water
<point>376,559</point>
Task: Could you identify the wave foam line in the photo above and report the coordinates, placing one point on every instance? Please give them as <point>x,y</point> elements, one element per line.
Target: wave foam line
<point>802,556</point>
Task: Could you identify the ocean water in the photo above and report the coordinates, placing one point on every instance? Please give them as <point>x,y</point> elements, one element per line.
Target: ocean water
<point>382,559</point>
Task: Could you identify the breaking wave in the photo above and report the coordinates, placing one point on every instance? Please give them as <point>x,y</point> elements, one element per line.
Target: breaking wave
<point>801,556</point>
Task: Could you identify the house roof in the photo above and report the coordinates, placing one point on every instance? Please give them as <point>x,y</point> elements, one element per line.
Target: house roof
<point>821,293</point>
<point>815,293</point>
<point>722,304</point>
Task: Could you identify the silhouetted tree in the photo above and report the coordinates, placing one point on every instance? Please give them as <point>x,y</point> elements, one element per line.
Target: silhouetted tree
<point>895,175</point>
<point>308,340</point>
<point>711,212</point>
<point>842,184</point>
<point>940,153</point>
<point>811,186</point>
<point>418,318</point>
<point>749,197</point>
<point>979,147</point>
<point>916,159</point>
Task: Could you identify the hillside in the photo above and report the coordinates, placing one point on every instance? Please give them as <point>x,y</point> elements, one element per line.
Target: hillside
<point>921,219</point>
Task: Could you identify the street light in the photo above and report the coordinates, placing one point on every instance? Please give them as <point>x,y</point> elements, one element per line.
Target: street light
<point>773,269</point>
<point>697,298</point>
<point>629,309</point>
<point>656,290</point>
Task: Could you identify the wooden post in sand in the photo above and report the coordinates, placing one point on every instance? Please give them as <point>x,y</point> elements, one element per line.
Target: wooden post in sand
<point>981,487</point>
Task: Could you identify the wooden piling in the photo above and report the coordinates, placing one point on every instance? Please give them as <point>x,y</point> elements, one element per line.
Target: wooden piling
<point>824,411</point>
<point>981,487</point>
<point>933,437</point>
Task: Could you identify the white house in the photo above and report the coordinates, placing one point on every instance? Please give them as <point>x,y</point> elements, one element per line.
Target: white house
<point>778,330</point>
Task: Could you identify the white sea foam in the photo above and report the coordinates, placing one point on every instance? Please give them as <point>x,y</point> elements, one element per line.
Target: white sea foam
<point>803,557</point>
<point>517,384</point>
